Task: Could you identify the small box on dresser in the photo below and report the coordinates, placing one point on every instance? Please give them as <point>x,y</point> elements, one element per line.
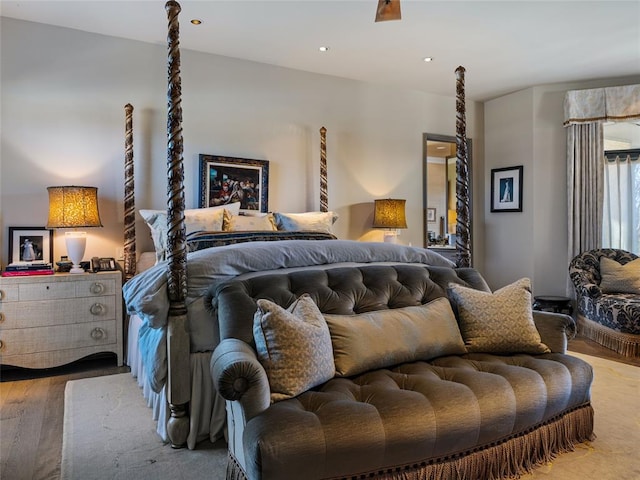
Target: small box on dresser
<point>48,321</point>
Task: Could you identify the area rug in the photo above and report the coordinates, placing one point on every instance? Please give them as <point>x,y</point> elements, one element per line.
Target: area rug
<point>109,434</point>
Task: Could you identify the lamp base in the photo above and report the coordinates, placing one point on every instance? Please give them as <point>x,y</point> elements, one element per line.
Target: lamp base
<point>391,236</point>
<point>76,242</point>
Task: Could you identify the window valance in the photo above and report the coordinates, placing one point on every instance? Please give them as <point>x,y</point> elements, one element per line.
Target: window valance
<point>613,104</point>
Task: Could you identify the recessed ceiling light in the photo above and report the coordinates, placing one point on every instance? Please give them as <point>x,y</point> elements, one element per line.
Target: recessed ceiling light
<point>324,49</point>
<point>428,59</point>
<point>196,21</point>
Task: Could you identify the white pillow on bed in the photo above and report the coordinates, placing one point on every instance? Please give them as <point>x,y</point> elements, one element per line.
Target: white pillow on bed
<point>308,221</point>
<point>195,220</point>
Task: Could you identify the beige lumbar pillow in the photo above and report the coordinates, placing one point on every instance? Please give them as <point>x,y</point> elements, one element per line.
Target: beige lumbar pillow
<point>293,346</point>
<point>617,278</point>
<point>499,322</point>
<point>384,338</point>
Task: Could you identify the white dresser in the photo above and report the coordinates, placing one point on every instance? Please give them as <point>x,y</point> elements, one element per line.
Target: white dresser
<point>47,321</point>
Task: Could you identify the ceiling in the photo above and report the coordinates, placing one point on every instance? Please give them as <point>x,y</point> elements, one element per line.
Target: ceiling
<point>504,46</point>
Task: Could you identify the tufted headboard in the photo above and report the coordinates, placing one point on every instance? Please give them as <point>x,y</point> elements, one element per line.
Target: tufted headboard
<point>338,290</point>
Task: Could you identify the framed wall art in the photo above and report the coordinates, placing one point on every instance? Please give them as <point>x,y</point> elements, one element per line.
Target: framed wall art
<point>30,244</point>
<point>225,180</point>
<point>431,214</point>
<point>506,189</point>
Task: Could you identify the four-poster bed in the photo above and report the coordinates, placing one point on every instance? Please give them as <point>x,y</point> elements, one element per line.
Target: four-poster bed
<point>172,331</point>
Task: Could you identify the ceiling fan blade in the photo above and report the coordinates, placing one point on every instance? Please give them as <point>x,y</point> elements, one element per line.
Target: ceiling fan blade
<point>388,10</point>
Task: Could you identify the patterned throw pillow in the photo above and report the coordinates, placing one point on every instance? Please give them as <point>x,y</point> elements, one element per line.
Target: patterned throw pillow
<point>293,346</point>
<point>498,322</point>
<point>617,278</point>
<point>308,221</point>
<point>195,220</point>
<point>248,223</point>
<point>384,338</point>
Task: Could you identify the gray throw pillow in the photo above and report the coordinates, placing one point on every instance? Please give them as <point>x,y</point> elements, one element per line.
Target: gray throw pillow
<point>618,278</point>
<point>498,322</point>
<point>384,338</point>
<point>293,346</point>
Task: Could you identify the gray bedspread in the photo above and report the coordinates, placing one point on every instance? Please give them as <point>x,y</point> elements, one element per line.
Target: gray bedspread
<point>146,294</point>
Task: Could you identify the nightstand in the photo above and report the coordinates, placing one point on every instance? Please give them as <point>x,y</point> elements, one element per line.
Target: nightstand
<point>48,321</point>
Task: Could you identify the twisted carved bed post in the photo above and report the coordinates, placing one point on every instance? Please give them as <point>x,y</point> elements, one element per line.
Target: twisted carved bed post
<point>463,226</point>
<point>129,198</point>
<point>178,385</point>
<point>324,195</point>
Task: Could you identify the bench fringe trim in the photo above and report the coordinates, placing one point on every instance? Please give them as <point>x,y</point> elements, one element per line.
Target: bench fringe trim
<point>509,459</point>
<point>626,344</point>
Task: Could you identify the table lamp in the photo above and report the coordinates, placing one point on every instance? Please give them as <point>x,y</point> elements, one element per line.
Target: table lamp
<point>389,214</point>
<point>74,207</point>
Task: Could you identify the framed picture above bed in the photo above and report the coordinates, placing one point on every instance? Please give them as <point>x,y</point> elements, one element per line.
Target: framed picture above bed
<point>226,180</point>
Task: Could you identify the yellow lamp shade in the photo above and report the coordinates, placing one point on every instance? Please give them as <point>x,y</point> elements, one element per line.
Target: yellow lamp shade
<point>389,213</point>
<point>73,206</point>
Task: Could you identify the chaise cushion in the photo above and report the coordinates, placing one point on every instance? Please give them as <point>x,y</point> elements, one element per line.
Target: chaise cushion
<point>293,345</point>
<point>618,278</point>
<point>384,338</point>
<point>499,322</point>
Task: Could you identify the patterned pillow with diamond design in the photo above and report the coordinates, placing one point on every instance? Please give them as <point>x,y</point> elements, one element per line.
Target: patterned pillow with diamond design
<point>498,322</point>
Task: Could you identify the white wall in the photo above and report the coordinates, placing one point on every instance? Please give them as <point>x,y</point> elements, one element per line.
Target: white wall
<point>525,128</point>
<point>63,94</point>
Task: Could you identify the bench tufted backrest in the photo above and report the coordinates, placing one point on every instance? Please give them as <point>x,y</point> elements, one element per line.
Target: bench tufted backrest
<point>340,290</point>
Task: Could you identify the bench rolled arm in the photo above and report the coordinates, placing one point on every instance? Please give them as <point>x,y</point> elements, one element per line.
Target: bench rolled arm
<point>556,329</point>
<point>238,376</point>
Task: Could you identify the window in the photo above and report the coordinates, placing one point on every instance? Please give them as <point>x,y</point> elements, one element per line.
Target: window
<point>621,213</point>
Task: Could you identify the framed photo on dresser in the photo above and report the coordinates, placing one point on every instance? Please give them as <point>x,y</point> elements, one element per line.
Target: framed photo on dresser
<point>30,244</point>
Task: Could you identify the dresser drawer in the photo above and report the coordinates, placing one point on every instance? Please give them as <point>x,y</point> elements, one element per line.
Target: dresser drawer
<point>93,288</point>
<point>60,337</point>
<point>56,312</point>
<point>46,291</point>
<point>8,293</point>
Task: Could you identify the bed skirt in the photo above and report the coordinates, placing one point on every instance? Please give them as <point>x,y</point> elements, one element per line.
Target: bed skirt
<point>207,408</point>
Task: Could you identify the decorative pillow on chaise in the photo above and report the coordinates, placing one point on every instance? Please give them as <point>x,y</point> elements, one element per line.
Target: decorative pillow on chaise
<point>618,278</point>
<point>308,221</point>
<point>195,220</point>
<point>499,322</point>
<point>293,346</point>
<point>384,338</point>
<point>248,223</point>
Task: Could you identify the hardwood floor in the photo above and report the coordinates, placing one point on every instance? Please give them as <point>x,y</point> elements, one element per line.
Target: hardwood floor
<point>32,410</point>
<point>31,416</point>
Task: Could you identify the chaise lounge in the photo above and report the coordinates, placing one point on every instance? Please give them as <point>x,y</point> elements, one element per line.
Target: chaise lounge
<point>607,285</point>
<point>398,387</point>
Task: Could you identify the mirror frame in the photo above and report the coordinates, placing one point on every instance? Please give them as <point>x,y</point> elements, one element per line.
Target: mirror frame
<point>467,201</point>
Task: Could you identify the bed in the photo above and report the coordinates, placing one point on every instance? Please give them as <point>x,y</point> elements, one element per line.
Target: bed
<point>172,331</point>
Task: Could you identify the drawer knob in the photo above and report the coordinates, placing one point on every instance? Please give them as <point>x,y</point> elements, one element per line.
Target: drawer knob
<point>97,333</point>
<point>97,288</point>
<point>97,309</point>
<point>1,317</point>
<point>1,344</point>
<point>1,295</point>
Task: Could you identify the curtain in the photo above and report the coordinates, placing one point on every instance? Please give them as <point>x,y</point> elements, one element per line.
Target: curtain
<point>621,219</point>
<point>585,182</point>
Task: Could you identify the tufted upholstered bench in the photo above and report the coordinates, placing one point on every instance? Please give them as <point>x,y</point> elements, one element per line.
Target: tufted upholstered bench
<point>472,415</point>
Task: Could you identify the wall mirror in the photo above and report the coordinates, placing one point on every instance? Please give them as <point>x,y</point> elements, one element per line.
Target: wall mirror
<point>439,195</point>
